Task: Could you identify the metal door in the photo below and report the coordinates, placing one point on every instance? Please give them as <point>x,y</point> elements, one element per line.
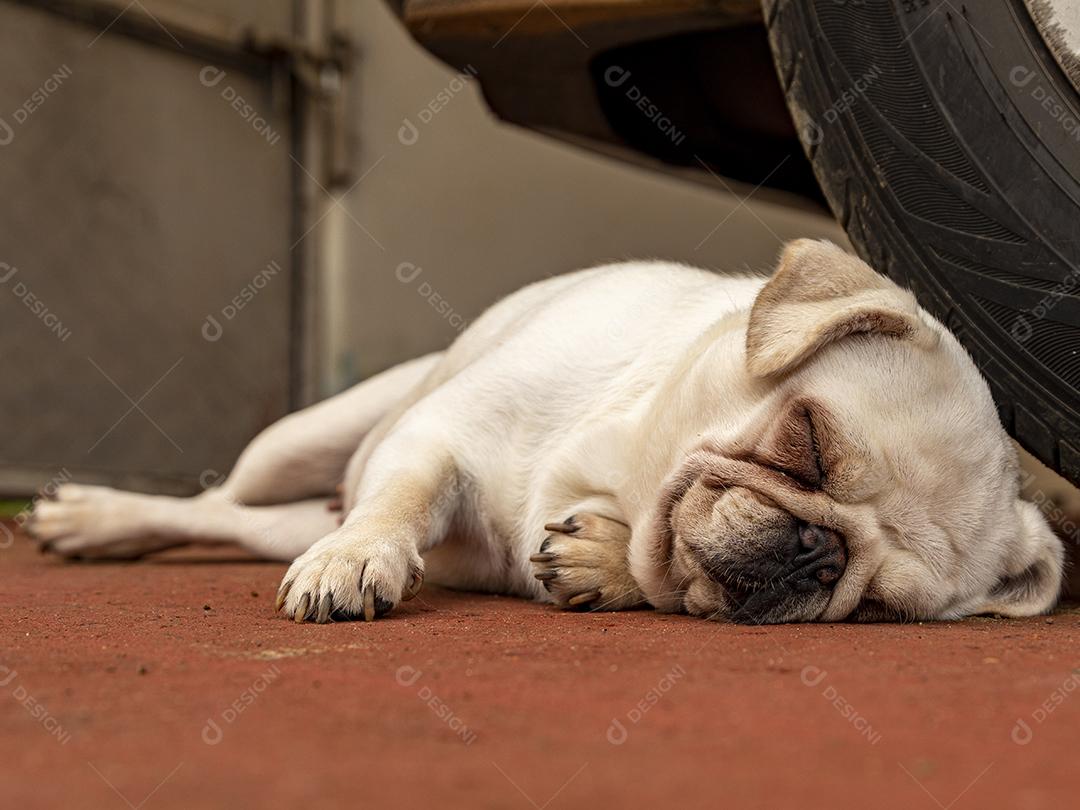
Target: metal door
<point>151,241</point>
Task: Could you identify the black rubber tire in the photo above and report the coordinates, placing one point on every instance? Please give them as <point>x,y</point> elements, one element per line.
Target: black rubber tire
<point>947,142</point>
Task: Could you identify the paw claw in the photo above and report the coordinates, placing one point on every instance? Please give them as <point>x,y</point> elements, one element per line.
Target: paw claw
<point>568,526</point>
<point>282,595</point>
<point>322,615</point>
<point>301,609</point>
<point>583,598</point>
<point>542,557</point>
<point>546,576</point>
<point>414,586</point>
<point>369,603</point>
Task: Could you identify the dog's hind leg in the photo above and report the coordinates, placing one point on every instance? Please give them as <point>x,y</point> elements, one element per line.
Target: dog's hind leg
<point>297,461</point>
<point>304,454</point>
<point>88,522</point>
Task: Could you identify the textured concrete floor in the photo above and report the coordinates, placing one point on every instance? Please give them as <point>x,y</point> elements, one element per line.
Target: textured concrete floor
<point>171,684</point>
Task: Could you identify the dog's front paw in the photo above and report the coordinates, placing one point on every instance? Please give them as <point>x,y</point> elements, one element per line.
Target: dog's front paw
<point>350,575</point>
<point>583,564</point>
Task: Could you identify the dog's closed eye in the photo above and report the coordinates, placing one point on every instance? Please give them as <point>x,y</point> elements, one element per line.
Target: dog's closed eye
<point>792,447</point>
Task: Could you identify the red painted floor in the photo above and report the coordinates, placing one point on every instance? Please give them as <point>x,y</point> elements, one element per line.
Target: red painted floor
<point>171,684</point>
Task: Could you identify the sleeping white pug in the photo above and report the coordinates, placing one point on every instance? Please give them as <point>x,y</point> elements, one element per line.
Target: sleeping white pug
<point>811,447</point>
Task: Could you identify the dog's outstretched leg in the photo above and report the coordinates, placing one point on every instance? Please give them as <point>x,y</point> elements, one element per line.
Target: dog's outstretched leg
<point>98,523</point>
<point>582,564</point>
<point>289,471</point>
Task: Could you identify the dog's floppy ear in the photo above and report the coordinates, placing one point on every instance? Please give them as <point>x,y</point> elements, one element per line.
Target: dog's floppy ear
<point>1032,581</point>
<point>818,295</point>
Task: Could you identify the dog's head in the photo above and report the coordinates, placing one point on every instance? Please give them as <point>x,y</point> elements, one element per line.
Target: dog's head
<point>873,481</point>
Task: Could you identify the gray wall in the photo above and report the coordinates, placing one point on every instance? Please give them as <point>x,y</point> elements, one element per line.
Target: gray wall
<point>136,202</point>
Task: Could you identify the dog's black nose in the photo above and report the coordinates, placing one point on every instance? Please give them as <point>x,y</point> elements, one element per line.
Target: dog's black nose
<point>821,555</point>
<point>798,566</point>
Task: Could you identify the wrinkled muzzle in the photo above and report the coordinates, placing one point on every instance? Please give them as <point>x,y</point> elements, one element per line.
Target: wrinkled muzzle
<point>747,560</point>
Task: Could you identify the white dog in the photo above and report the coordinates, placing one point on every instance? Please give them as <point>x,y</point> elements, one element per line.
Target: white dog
<point>813,447</point>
